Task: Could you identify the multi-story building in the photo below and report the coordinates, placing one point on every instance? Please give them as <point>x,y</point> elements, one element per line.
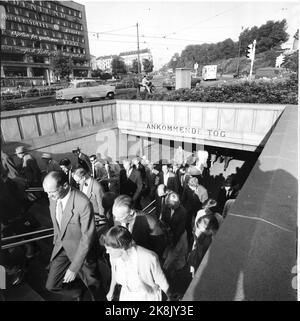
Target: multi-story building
<point>130,56</point>
<point>35,32</point>
<point>104,62</point>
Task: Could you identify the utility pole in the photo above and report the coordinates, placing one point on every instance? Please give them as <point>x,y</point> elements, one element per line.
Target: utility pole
<point>138,47</point>
<point>239,53</point>
<point>252,59</point>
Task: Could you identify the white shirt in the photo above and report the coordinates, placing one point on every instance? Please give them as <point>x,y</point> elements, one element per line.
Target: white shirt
<point>86,186</point>
<point>63,202</point>
<point>128,173</point>
<point>65,199</point>
<point>166,177</point>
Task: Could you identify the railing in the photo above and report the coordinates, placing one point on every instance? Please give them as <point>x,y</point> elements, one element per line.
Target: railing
<point>19,243</point>
<point>57,124</point>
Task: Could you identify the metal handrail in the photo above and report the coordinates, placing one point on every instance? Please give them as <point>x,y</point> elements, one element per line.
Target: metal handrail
<point>148,206</point>
<point>25,234</point>
<point>8,246</point>
<point>34,189</point>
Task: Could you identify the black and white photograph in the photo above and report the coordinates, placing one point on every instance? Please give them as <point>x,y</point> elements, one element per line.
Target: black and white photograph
<point>149,153</point>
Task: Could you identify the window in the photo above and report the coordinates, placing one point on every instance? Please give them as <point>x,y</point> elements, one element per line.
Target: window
<point>20,27</point>
<point>82,84</point>
<point>38,31</point>
<point>14,41</point>
<point>29,29</point>
<point>45,32</point>
<point>16,11</point>
<point>47,46</point>
<point>27,14</point>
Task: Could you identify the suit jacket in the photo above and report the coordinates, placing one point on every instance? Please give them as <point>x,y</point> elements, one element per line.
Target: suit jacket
<point>95,195</point>
<point>176,222</point>
<point>77,235</point>
<point>222,198</point>
<point>132,185</point>
<point>71,180</point>
<point>31,170</point>
<point>172,184</point>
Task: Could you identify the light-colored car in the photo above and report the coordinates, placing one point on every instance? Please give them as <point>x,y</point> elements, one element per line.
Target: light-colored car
<point>85,90</point>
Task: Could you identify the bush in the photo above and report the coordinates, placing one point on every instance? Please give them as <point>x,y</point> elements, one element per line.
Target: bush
<point>258,92</point>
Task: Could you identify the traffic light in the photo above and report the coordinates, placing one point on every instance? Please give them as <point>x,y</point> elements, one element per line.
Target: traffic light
<point>249,53</point>
<point>279,61</point>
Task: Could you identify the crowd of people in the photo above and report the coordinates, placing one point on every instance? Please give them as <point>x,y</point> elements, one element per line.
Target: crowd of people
<point>103,241</point>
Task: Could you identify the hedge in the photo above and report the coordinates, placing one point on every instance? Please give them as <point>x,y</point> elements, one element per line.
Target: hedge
<point>257,92</point>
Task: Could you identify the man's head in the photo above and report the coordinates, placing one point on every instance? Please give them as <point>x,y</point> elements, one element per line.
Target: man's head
<point>172,200</point>
<point>136,161</point>
<point>76,151</point>
<point>127,164</point>
<point>123,209</point>
<point>228,183</point>
<point>93,159</point>
<point>65,165</point>
<point>21,151</point>
<point>193,183</point>
<point>80,175</point>
<point>46,157</point>
<point>56,185</point>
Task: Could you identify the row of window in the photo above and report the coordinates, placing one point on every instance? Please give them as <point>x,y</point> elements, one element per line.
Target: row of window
<point>40,45</point>
<point>41,31</point>
<point>52,5</point>
<point>43,18</point>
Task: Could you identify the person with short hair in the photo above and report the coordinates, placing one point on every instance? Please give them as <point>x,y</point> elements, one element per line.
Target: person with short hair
<point>229,190</point>
<point>66,166</point>
<point>50,163</point>
<point>82,159</point>
<point>30,169</point>
<point>176,252</point>
<point>96,167</point>
<point>94,191</point>
<point>169,179</point>
<point>131,182</point>
<point>75,241</point>
<point>205,227</point>
<point>145,228</point>
<point>193,196</point>
<point>134,267</point>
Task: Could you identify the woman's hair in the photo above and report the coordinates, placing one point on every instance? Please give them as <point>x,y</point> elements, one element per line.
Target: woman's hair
<point>213,223</point>
<point>172,200</point>
<point>117,237</point>
<point>123,201</point>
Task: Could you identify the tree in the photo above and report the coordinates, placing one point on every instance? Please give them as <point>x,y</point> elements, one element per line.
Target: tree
<point>147,65</point>
<point>96,73</point>
<point>61,66</point>
<point>135,67</point>
<point>118,66</point>
<point>292,61</point>
<point>268,36</point>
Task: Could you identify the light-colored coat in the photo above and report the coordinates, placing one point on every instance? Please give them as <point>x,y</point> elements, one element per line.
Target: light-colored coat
<point>77,232</point>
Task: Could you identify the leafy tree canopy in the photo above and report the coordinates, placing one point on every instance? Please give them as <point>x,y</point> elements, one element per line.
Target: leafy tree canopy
<point>118,66</point>
<point>61,66</point>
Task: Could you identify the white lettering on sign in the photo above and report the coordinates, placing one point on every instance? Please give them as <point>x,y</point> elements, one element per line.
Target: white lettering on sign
<point>186,130</point>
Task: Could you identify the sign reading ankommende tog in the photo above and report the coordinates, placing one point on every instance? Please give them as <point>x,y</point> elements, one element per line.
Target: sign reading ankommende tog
<point>185,130</point>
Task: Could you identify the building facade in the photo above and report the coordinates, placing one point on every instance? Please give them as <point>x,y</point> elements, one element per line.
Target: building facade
<point>37,31</point>
<point>130,56</point>
<point>104,62</point>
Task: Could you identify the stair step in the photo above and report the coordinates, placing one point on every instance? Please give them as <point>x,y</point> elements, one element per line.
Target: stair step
<point>22,292</point>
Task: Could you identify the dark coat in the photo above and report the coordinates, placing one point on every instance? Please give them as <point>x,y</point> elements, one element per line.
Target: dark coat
<point>172,183</point>
<point>132,185</point>
<point>222,197</point>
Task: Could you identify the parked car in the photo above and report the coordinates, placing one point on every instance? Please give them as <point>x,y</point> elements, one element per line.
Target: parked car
<point>85,90</point>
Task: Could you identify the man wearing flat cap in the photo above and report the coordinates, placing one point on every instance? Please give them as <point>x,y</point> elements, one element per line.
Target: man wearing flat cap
<point>51,164</point>
<point>30,169</point>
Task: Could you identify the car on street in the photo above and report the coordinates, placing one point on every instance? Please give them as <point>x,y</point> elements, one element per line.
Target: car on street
<point>85,90</point>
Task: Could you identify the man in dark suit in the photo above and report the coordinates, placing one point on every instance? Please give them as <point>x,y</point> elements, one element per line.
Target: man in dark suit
<point>229,190</point>
<point>30,168</point>
<point>96,167</point>
<point>131,183</point>
<point>83,160</point>
<point>169,179</point>
<point>145,228</point>
<point>66,167</point>
<point>94,191</point>
<point>75,242</point>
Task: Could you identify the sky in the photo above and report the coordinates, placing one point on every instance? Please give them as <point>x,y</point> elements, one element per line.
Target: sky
<point>167,27</point>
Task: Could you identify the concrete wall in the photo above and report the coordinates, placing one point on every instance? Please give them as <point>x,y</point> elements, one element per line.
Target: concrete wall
<point>58,130</point>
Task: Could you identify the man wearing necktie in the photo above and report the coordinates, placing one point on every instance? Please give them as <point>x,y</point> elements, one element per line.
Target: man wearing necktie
<point>94,191</point>
<point>228,191</point>
<point>75,242</point>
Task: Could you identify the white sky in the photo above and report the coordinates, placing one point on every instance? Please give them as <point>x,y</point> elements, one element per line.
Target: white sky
<point>181,22</point>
